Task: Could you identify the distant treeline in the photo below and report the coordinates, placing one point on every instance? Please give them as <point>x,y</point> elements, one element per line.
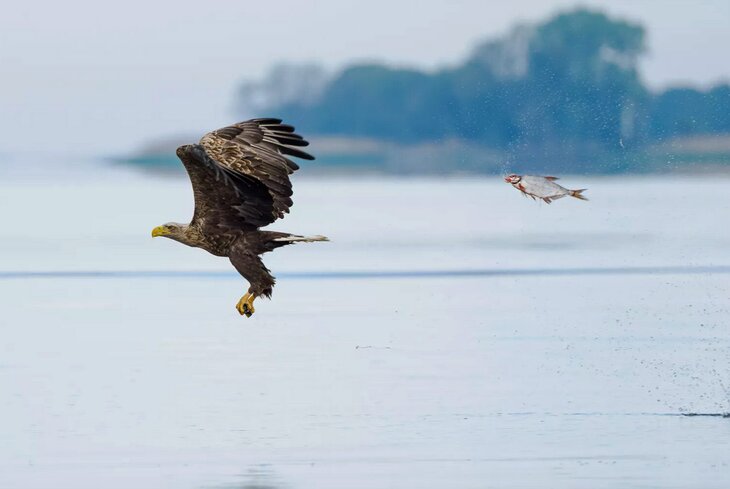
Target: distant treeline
<point>568,88</point>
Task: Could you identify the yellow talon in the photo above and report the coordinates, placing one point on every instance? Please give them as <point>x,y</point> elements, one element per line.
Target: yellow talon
<point>245,305</point>
<point>241,303</point>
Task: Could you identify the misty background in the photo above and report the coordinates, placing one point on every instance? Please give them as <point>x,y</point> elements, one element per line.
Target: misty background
<point>458,87</point>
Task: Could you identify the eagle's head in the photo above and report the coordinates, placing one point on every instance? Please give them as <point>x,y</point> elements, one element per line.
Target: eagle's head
<point>171,230</point>
<point>183,150</point>
<point>513,179</point>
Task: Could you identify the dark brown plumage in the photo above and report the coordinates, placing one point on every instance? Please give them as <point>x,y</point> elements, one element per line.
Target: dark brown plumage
<point>240,178</point>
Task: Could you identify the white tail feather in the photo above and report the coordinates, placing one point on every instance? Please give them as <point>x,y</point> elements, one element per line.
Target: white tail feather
<point>302,239</point>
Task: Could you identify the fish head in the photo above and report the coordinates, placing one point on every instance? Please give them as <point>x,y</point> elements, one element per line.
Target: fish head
<point>513,179</point>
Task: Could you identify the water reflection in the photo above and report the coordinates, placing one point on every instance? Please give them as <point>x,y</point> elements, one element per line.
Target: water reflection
<point>260,476</point>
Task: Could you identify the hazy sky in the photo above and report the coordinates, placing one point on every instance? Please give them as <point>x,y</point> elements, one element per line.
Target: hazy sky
<point>90,76</point>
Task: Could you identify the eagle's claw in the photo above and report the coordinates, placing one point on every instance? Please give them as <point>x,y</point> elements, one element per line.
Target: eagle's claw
<point>245,306</point>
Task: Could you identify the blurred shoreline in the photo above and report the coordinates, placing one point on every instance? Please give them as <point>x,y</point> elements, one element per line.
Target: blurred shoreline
<point>702,154</point>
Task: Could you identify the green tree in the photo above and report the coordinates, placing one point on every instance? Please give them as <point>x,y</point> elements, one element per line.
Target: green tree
<point>566,88</point>
<point>686,111</point>
<point>582,82</point>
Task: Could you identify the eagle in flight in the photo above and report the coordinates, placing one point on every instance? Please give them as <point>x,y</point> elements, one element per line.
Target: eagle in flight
<point>240,178</point>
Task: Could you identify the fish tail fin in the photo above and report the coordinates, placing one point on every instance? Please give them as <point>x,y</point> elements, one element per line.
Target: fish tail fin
<point>578,194</point>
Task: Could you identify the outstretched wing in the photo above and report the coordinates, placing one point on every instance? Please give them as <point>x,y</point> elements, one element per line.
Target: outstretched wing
<point>240,174</point>
<point>224,200</point>
<point>258,149</point>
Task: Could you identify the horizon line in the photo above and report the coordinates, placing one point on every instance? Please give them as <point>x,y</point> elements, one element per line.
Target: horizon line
<point>372,274</point>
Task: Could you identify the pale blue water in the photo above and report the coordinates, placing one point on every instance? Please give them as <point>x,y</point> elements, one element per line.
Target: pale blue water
<point>453,334</point>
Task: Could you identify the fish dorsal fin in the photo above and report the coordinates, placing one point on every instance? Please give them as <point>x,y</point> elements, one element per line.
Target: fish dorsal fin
<point>552,178</point>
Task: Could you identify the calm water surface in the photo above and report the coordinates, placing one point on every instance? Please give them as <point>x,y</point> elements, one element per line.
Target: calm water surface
<point>376,366</point>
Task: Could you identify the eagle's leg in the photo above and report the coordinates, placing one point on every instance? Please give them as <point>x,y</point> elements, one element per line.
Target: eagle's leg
<point>245,305</point>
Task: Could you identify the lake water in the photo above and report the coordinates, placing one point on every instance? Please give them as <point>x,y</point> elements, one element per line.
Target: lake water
<point>452,335</point>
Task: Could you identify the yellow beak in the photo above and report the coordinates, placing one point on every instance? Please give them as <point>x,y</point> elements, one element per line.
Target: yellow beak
<point>159,231</point>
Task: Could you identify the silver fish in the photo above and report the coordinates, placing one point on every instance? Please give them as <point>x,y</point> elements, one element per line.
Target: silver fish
<point>543,188</point>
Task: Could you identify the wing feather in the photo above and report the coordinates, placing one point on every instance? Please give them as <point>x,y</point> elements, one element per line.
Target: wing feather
<point>258,150</point>
<point>225,200</point>
<point>240,174</point>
